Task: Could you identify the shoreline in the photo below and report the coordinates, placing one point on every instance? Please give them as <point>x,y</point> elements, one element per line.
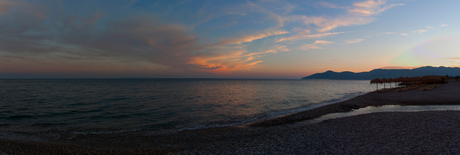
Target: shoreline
<point>448,93</point>
<point>275,136</point>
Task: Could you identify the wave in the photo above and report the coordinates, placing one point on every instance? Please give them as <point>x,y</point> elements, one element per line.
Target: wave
<point>347,96</point>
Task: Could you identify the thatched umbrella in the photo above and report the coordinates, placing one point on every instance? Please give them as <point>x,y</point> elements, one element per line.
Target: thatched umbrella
<point>390,80</point>
<point>384,80</point>
<point>439,79</point>
<point>418,80</point>
<point>376,81</point>
<point>400,80</point>
<point>410,80</point>
<point>424,80</point>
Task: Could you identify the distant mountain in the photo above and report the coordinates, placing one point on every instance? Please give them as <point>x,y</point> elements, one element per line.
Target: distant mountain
<point>387,73</point>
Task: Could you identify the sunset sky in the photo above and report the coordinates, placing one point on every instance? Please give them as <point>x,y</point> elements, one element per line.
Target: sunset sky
<point>223,39</point>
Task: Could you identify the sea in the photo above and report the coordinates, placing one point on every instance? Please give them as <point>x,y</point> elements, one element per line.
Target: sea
<point>44,109</point>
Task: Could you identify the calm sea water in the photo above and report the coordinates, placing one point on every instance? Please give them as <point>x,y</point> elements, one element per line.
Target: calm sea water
<point>117,105</point>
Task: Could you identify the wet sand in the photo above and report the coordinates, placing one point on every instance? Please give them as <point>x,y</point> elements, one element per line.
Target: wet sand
<point>432,132</point>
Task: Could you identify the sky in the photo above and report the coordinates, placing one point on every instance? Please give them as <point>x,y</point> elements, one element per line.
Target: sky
<point>223,39</point>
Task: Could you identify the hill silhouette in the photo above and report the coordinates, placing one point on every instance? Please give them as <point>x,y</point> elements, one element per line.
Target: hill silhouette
<point>386,73</point>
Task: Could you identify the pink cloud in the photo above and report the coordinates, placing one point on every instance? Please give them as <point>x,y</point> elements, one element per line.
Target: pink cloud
<point>315,45</point>
<point>323,42</point>
<point>327,24</point>
<point>399,67</point>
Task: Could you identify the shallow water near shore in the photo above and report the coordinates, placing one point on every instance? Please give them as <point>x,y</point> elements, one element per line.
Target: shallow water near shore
<point>384,108</point>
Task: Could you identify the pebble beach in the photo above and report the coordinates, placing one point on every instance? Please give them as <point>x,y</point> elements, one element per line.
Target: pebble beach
<point>429,132</point>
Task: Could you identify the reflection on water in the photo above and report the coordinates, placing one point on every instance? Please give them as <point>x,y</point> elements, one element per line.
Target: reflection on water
<point>385,108</point>
<point>101,105</point>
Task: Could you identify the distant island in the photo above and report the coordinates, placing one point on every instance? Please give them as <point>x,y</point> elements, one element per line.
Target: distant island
<point>386,73</point>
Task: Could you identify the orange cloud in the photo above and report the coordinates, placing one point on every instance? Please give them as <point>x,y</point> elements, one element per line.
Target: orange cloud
<point>223,62</point>
<point>371,7</point>
<point>257,53</point>
<point>314,45</point>
<point>250,38</point>
<point>275,49</point>
<point>330,24</point>
<point>399,67</point>
<point>455,58</point>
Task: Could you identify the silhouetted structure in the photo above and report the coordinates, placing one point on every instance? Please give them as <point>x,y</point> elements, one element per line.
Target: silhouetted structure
<point>410,81</point>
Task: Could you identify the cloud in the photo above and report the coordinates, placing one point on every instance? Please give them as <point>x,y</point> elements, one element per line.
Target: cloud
<point>306,35</point>
<point>222,61</point>
<point>310,46</point>
<point>398,67</point>
<point>71,39</point>
<point>327,24</point>
<point>270,13</point>
<point>330,5</point>
<point>388,33</point>
<point>275,49</point>
<point>249,38</point>
<point>6,6</point>
<point>419,31</point>
<point>264,52</point>
<point>429,27</point>
<point>403,34</point>
<point>353,41</point>
<point>371,7</point>
<point>444,25</point>
<point>225,62</point>
<point>323,42</point>
<point>359,14</point>
<point>315,45</point>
